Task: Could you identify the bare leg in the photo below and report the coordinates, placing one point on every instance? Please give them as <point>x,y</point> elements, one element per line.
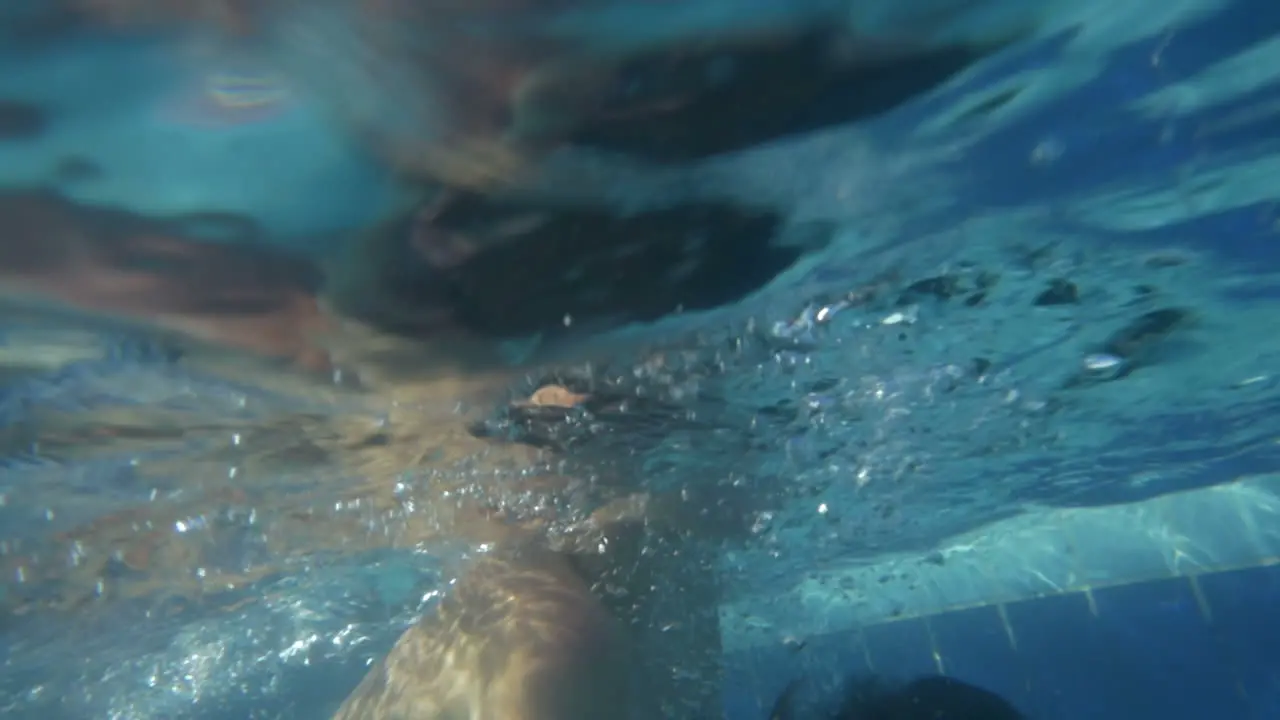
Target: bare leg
<point>521,637</point>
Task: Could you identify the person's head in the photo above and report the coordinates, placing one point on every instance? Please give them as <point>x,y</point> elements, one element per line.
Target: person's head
<point>932,697</point>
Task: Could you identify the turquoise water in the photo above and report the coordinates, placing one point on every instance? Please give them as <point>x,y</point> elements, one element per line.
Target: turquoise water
<point>988,361</point>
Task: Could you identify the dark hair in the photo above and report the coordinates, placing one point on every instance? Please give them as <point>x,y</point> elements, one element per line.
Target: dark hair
<point>932,697</point>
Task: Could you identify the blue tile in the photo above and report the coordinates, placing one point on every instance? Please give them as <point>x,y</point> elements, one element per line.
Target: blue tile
<point>900,650</point>
<point>975,648</point>
<point>1148,653</point>
<point>1245,619</point>
<point>742,699</point>
<point>1070,671</point>
<point>752,679</point>
<point>834,656</point>
<point>1180,665</point>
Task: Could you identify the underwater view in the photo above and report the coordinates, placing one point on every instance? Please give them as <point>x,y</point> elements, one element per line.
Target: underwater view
<point>631,359</point>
